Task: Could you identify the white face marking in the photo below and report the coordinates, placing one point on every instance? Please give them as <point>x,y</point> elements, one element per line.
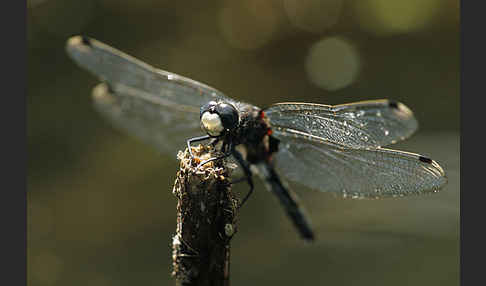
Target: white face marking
<point>211,123</point>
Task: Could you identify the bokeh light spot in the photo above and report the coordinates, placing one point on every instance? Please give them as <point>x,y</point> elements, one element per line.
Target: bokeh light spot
<point>333,63</point>
<point>250,24</point>
<point>385,17</point>
<point>313,15</point>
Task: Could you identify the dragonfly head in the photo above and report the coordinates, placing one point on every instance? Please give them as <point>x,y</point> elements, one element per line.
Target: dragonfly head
<point>218,118</point>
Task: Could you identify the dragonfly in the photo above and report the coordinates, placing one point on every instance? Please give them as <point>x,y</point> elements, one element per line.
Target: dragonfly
<point>329,148</point>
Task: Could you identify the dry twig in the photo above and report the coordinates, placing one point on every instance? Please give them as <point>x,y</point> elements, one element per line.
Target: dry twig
<point>206,220</point>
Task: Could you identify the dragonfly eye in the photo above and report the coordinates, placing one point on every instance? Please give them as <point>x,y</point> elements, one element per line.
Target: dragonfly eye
<point>228,114</point>
<point>207,107</point>
<point>217,117</point>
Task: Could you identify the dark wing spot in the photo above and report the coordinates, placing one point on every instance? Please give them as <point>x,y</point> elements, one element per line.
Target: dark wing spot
<point>86,41</point>
<point>393,104</point>
<point>425,159</point>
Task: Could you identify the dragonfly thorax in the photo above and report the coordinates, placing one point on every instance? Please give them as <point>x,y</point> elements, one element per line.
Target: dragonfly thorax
<point>218,118</point>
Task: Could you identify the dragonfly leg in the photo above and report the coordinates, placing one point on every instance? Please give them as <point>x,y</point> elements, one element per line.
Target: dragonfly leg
<point>195,139</point>
<point>248,175</point>
<point>214,141</point>
<point>214,159</point>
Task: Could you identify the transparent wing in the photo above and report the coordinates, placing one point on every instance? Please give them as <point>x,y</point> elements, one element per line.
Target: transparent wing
<point>159,107</point>
<point>357,173</point>
<point>357,125</point>
<point>157,124</point>
<point>123,71</point>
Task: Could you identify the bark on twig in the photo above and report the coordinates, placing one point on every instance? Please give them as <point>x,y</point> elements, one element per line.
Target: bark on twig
<point>206,220</point>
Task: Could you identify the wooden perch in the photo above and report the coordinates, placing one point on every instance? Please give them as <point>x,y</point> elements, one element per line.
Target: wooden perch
<point>206,220</point>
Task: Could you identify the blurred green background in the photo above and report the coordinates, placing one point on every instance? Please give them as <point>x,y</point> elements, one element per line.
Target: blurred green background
<point>100,207</point>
